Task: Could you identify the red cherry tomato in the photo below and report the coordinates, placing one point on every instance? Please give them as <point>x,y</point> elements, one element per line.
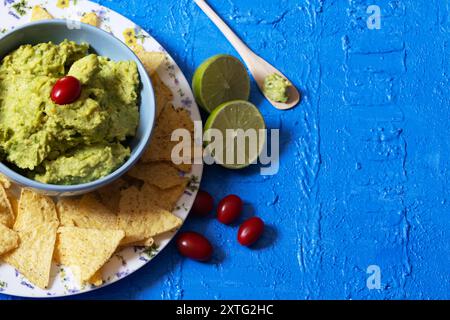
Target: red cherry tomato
<point>250,231</point>
<point>229,209</point>
<point>203,204</point>
<point>195,246</point>
<point>66,90</point>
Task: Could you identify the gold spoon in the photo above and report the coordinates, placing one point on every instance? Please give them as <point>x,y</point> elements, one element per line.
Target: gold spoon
<point>258,67</point>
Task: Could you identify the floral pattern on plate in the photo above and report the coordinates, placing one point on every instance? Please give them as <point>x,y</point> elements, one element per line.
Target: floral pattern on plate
<point>14,13</point>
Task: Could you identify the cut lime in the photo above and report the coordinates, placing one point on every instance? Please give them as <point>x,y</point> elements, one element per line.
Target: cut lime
<point>220,79</point>
<point>239,138</point>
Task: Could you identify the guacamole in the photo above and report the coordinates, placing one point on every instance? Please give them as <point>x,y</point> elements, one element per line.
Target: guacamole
<point>275,88</point>
<point>73,143</point>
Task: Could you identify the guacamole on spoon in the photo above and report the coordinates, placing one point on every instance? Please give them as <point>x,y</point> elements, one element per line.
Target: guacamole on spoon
<point>276,88</point>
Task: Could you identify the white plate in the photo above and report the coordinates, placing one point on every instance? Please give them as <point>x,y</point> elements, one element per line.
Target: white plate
<point>131,259</point>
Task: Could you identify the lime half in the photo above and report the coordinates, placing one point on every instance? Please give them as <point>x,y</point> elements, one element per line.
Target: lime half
<point>239,137</point>
<point>220,79</point>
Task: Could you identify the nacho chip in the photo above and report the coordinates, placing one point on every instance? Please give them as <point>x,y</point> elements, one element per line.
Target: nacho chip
<point>9,239</point>
<point>159,174</point>
<point>14,204</point>
<point>87,212</point>
<point>39,13</point>
<point>185,167</point>
<point>96,279</point>
<point>141,219</point>
<point>110,194</point>
<point>151,60</point>
<point>6,211</point>
<point>34,209</point>
<point>182,159</point>
<point>91,18</point>
<point>143,243</point>
<point>4,181</point>
<point>165,199</point>
<point>161,146</point>
<point>86,249</point>
<point>33,257</point>
<point>163,94</point>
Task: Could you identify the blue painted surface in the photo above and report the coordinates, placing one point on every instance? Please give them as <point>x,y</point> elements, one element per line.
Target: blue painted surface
<point>364,159</point>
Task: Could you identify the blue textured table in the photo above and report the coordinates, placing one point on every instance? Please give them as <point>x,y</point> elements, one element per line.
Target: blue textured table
<point>364,168</point>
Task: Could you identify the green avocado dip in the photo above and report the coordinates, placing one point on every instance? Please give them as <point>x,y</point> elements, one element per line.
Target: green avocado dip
<point>73,143</point>
<point>275,88</point>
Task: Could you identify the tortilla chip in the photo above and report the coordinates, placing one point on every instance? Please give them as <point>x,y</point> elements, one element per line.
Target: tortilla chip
<point>110,194</point>
<point>6,211</point>
<point>184,120</point>
<point>159,174</point>
<point>91,18</point>
<point>86,212</point>
<point>161,146</point>
<point>33,257</point>
<point>39,13</point>
<point>87,249</point>
<point>4,181</point>
<point>96,279</point>
<point>143,243</point>
<point>14,204</point>
<point>167,198</point>
<point>163,94</point>
<point>151,60</point>
<point>185,167</point>
<point>9,239</point>
<point>141,219</point>
<point>34,209</point>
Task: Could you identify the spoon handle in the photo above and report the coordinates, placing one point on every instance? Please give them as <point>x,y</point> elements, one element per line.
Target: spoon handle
<point>235,41</point>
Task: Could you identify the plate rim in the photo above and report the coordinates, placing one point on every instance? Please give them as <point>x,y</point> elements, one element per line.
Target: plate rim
<point>197,168</point>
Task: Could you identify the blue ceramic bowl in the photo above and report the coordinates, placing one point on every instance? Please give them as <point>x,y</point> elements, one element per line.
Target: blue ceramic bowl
<point>104,44</point>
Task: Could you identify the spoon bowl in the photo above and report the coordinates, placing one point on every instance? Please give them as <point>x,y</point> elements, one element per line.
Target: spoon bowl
<point>260,69</point>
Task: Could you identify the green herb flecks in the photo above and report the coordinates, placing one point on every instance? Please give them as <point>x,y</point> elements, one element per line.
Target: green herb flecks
<point>151,252</point>
<point>194,183</point>
<point>21,7</point>
<point>139,34</point>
